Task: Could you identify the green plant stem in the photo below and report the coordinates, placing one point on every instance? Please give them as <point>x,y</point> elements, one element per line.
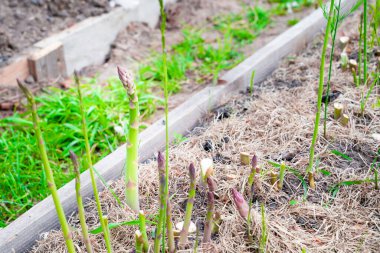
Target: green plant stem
<point>107,233</point>
<point>169,227</point>
<point>320,93</point>
<point>143,231</point>
<point>282,176</point>
<point>334,31</point>
<point>48,172</point>
<point>166,95</point>
<point>251,83</point>
<point>364,99</point>
<point>132,161</point>
<point>365,70</point>
<point>264,232</point>
<point>82,218</point>
<point>209,216</point>
<point>89,163</point>
<point>139,245</point>
<point>161,217</point>
<point>189,205</point>
<point>359,78</point>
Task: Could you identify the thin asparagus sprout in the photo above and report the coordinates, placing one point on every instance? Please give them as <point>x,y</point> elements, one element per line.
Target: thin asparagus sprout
<point>251,83</point>
<point>334,31</point>
<point>161,220</point>
<point>309,169</point>
<point>264,232</point>
<point>241,204</point>
<point>107,233</point>
<point>143,231</point>
<point>217,220</point>
<point>195,248</point>
<point>169,227</point>
<point>251,181</point>
<point>139,242</point>
<point>282,176</point>
<point>131,165</point>
<point>82,218</point>
<point>253,172</point>
<point>48,172</point>
<point>89,162</point>
<point>359,78</point>
<point>365,67</point>
<point>189,205</point>
<point>211,184</point>
<point>209,217</point>
<point>166,100</point>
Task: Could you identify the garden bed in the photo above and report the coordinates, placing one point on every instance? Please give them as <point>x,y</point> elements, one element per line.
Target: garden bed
<point>276,124</point>
<point>58,108</point>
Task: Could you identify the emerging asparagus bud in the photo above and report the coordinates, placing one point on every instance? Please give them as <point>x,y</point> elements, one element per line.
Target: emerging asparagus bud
<point>211,184</point>
<point>217,220</point>
<point>209,216</point>
<point>254,162</point>
<point>189,206</point>
<point>138,242</point>
<point>344,60</point>
<point>282,176</point>
<point>126,79</point>
<point>241,204</point>
<point>143,231</point>
<point>207,169</point>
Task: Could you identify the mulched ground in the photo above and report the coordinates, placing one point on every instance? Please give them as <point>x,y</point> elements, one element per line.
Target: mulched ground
<point>276,123</point>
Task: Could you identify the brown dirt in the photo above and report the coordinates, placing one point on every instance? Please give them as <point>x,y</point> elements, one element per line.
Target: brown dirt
<point>24,22</point>
<point>275,124</point>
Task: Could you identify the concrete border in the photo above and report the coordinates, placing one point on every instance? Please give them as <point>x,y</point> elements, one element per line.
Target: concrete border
<point>84,44</point>
<point>21,234</point>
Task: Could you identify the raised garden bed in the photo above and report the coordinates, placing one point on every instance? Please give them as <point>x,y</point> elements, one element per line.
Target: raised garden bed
<point>200,51</point>
<point>238,77</point>
<point>275,124</point>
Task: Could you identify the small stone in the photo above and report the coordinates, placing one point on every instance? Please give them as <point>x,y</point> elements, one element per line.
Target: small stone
<point>376,137</point>
<point>343,42</point>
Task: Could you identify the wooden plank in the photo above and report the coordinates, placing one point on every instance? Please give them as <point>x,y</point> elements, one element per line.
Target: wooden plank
<point>48,63</point>
<point>18,69</point>
<point>22,233</point>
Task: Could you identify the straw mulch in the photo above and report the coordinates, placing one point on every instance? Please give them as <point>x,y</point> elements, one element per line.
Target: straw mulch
<point>275,124</point>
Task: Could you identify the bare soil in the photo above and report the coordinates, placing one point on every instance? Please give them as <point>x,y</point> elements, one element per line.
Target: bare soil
<point>24,22</point>
<point>276,124</point>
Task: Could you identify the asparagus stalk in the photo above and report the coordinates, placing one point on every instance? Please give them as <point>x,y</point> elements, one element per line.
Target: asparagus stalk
<point>310,168</point>
<point>241,204</point>
<point>282,175</point>
<point>107,233</point>
<point>209,217</point>
<point>189,205</point>
<point>82,218</point>
<point>48,172</point>
<point>89,163</point>
<point>169,227</point>
<point>161,219</point>
<point>217,220</point>
<point>139,242</point>
<point>338,109</point>
<point>251,180</point>
<point>131,173</point>
<point>252,82</point>
<point>143,231</point>
<point>211,184</point>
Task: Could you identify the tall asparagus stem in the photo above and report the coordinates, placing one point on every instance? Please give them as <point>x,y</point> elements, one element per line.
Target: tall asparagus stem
<point>359,78</point>
<point>48,172</point>
<point>161,217</point>
<point>189,205</point>
<point>209,216</point>
<point>309,170</point>
<point>335,29</point>
<point>169,227</point>
<point>131,172</point>
<point>143,231</point>
<point>89,163</point>
<point>365,70</point>
<point>82,218</point>
<point>166,95</point>
<point>107,233</point>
